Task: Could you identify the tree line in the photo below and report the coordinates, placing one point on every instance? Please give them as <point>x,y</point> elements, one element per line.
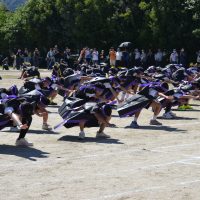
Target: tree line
<point>165,24</point>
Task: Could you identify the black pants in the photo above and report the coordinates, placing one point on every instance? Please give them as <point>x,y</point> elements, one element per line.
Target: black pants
<point>23,132</point>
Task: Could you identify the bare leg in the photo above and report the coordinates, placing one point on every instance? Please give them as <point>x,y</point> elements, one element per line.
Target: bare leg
<point>53,95</point>
<point>82,126</point>
<point>82,133</point>
<point>102,127</point>
<point>156,110</point>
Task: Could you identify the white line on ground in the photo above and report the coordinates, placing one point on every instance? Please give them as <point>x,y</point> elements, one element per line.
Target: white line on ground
<point>155,188</point>
<point>136,150</point>
<point>121,152</point>
<point>189,182</point>
<point>190,163</point>
<point>179,145</point>
<point>128,193</point>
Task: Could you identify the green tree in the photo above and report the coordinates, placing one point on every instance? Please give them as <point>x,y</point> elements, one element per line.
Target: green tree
<point>4,15</point>
<point>102,23</point>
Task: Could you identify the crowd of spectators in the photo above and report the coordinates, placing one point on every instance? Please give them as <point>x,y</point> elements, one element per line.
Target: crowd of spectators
<point>119,57</point>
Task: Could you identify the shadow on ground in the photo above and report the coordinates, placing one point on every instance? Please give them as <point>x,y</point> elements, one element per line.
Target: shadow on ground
<point>34,132</point>
<point>161,128</point>
<point>23,152</point>
<point>42,132</point>
<point>180,118</point>
<point>69,138</point>
<point>191,110</point>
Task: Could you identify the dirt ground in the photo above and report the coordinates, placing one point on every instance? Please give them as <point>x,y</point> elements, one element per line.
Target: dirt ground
<point>153,163</point>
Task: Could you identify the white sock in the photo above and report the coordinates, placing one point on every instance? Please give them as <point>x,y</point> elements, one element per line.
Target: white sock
<point>154,117</point>
<point>82,132</point>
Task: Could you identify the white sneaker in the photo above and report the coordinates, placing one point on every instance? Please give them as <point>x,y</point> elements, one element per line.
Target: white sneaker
<point>82,135</point>
<point>23,142</point>
<point>167,116</point>
<point>46,127</point>
<point>102,135</point>
<point>172,114</point>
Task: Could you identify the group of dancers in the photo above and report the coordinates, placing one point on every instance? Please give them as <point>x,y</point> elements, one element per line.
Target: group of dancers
<point>91,92</point>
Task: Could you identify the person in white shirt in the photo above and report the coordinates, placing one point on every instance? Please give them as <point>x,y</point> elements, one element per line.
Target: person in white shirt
<point>143,58</point>
<point>118,57</point>
<point>174,57</point>
<point>95,56</point>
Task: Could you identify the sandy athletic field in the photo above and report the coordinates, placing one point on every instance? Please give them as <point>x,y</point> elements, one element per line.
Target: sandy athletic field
<point>153,163</point>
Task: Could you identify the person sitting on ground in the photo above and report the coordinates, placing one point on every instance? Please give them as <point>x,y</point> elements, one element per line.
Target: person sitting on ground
<point>5,64</point>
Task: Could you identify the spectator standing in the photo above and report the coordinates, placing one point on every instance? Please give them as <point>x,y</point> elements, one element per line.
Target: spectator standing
<point>13,56</point>
<point>158,58</point>
<point>165,58</point>
<point>112,56</point>
<point>95,56</point>
<point>67,55</point>
<point>19,59</point>
<point>102,56</point>
<point>183,57</point>
<point>81,56</point>
<point>118,58</point>
<point>174,57</point>
<point>50,59</point>
<point>125,58</point>
<point>36,58</point>
<point>143,58</point>
<point>88,55</point>
<point>26,55</point>
<point>137,57</point>
<point>150,58</point>
<point>56,53</point>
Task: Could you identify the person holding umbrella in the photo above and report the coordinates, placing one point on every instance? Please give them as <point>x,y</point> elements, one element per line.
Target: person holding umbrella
<point>125,45</point>
<point>125,55</point>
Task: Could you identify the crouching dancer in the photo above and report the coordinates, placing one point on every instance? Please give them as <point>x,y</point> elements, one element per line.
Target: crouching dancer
<point>84,111</point>
<point>96,115</point>
<point>16,113</point>
<point>87,115</point>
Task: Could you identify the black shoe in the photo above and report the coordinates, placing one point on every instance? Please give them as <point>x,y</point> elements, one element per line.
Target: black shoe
<point>134,124</point>
<point>112,126</point>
